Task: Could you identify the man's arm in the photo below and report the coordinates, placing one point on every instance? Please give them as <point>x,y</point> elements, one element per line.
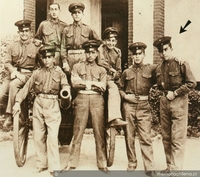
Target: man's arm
<point>190,81</point>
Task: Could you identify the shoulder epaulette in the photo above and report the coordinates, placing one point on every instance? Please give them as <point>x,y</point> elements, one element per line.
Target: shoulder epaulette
<point>179,61</point>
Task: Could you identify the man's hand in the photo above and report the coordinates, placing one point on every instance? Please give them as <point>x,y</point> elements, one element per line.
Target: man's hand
<point>16,108</point>
<point>37,42</point>
<point>170,95</point>
<point>131,98</point>
<point>101,86</point>
<point>21,77</point>
<point>112,70</point>
<point>16,74</point>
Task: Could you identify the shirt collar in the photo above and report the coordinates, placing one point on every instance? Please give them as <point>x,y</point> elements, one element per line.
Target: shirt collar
<point>54,21</point>
<point>92,64</point>
<point>137,66</point>
<point>48,69</point>
<point>77,24</point>
<point>25,42</point>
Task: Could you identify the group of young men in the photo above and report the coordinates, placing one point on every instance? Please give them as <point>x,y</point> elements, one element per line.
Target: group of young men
<point>71,57</point>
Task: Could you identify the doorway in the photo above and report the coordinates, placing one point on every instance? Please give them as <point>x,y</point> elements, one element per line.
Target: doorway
<point>115,13</point>
<point>41,12</point>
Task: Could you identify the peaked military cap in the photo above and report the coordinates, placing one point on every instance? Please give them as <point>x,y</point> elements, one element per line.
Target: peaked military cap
<point>137,45</point>
<point>110,32</point>
<point>47,50</point>
<point>162,41</point>
<point>23,24</point>
<point>74,6</point>
<point>91,44</point>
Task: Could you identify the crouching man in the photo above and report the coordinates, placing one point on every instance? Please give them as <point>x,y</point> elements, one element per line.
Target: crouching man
<point>47,83</point>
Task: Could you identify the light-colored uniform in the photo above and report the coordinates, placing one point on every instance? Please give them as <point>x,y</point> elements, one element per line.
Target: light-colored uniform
<point>47,84</point>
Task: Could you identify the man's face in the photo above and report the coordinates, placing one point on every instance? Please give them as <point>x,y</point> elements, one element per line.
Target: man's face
<point>91,55</point>
<point>77,15</point>
<point>166,52</point>
<point>138,56</point>
<point>48,61</point>
<point>54,11</point>
<point>111,42</point>
<point>25,34</point>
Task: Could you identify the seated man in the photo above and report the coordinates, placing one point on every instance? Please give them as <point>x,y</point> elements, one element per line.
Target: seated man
<point>110,59</point>
<point>47,83</point>
<point>20,62</point>
<point>90,81</point>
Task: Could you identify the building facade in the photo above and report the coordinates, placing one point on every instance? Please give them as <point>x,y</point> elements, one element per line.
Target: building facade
<point>136,20</point>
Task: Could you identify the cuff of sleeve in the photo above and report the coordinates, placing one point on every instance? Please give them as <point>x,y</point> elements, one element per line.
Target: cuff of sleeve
<point>14,74</point>
<point>88,85</point>
<point>175,93</point>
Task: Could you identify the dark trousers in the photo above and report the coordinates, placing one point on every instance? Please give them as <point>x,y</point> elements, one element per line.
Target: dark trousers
<point>174,118</point>
<point>85,106</point>
<point>138,116</point>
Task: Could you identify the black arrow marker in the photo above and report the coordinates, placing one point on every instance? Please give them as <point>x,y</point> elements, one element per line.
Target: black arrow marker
<point>182,29</point>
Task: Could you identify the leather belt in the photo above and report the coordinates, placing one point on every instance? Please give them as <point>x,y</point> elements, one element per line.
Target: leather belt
<point>78,51</point>
<point>142,98</point>
<point>89,92</point>
<point>47,96</point>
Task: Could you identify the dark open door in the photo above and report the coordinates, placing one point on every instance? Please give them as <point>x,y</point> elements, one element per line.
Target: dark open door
<point>115,13</point>
<point>41,12</point>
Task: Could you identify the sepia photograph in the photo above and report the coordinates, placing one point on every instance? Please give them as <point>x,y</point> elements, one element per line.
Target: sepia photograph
<point>100,87</point>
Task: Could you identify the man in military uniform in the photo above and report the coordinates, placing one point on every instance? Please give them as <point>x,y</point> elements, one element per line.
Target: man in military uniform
<point>47,83</point>
<point>136,82</point>
<point>175,79</point>
<point>50,31</point>
<point>90,81</point>
<point>74,36</point>
<point>20,61</point>
<point>110,59</point>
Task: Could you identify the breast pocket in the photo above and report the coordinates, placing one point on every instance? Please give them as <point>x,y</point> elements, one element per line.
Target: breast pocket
<point>15,58</point>
<point>55,84</point>
<point>69,37</point>
<point>84,35</point>
<point>49,34</point>
<point>38,86</point>
<point>174,78</point>
<point>147,80</point>
<point>130,81</point>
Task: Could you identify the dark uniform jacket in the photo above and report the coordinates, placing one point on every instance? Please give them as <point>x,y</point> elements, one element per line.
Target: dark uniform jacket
<point>137,80</point>
<point>50,32</point>
<point>21,55</point>
<point>85,71</point>
<point>46,81</point>
<point>74,36</point>
<point>110,58</point>
<point>174,75</point>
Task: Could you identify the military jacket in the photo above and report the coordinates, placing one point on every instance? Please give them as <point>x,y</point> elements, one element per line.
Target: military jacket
<point>85,71</point>
<point>46,81</point>
<point>50,32</point>
<point>175,75</point>
<point>110,58</point>
<point>137,80</point>
<point>21,54</point>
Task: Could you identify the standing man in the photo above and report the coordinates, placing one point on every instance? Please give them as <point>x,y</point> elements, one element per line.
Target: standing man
<point>20,61</point>
<point>90,81</point>
<point>136,82</point>
<point>74,36</point>
<point>175,79</point>
<point>47,83</point>
<point>49,31</point>
<point>110,59</point>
